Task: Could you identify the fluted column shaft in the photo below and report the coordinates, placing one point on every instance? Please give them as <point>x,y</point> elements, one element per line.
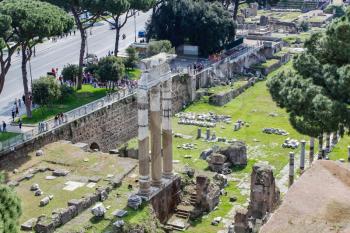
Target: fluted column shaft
<point>155,126</point>
<point>143,141</point>
<point>167,141</point>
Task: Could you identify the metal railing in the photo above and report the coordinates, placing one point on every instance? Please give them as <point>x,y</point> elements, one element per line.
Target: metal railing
<point>52,124</point>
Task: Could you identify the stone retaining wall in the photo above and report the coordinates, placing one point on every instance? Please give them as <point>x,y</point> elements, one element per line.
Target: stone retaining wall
<point>225,97</point>
<point>107,128</point>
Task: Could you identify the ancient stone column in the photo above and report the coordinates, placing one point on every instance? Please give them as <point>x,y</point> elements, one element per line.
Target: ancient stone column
<point>302,155</point>
<point>155,127</point>
<point>312,148</point>
<point>291,168</point>
<point>143,141</point>
<point>328,143</point>
<point>208,134</point>
<point>199,133</point>
<point>167,130</point>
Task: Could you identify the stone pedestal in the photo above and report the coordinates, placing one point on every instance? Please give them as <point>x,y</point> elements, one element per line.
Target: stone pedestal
<point>143,141</point>
<point>291,168</point>
<point>199,133</point>
<point>155,127</point>
<point>167,130</point>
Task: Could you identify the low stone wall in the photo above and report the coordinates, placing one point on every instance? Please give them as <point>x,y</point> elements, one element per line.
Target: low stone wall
<point>225,97</point>
<point>164,203</point>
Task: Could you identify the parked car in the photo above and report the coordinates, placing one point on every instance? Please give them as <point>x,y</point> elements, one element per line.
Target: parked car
<point>142,34</point>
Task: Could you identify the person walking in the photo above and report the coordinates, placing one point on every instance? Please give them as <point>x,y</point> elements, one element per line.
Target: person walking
<point>19,103</point>
<point>17,110</point>
<point>20,123</point>
<point>13,115</point>
<point>3,126</point>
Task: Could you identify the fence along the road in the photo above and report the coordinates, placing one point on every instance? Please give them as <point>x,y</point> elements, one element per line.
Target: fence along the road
<point>72,115</point>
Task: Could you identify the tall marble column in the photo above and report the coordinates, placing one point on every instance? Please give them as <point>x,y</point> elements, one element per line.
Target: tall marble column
<point>291,168</point>
<point>167,141</point>
<point>143,141</point>
<point>156,132</point>
<point>312,150</point>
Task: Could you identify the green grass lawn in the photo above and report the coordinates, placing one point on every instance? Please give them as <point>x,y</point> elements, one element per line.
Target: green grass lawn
<point>7,135</point>
<point>81,97</point>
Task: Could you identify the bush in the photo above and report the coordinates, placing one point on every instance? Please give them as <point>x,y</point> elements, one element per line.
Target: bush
<point>70,72</point>
<point>46,91</point>
<point>110,69</point>
<point>338,10</point>
<point>91,68</point>
<point>132,59</point>
<point>304,25</point>
<point>160,46</point>
<point>66,92</point>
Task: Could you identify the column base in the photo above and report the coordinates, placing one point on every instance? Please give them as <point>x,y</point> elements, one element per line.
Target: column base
<point>145,187</point>
<point>156,183</point>
<point>168,175</point>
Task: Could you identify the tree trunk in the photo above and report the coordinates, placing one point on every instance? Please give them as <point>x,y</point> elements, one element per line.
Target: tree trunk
<point>235,9</point>
<point>117,36</point>
<point>2,81</point>
<point>81,58</point>
<point>81,29</point>
<point>25,82</point>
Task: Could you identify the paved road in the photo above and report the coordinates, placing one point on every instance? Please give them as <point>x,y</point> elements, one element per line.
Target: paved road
<point>62,52</point>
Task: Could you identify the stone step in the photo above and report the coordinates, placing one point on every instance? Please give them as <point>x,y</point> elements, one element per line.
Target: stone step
<point>176,228</point>
<point>182,216</point>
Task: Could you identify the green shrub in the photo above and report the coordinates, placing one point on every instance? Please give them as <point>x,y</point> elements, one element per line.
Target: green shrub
<point>70,72</point>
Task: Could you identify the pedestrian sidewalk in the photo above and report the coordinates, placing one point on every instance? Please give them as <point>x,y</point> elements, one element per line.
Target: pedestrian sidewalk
<point>13,127</point>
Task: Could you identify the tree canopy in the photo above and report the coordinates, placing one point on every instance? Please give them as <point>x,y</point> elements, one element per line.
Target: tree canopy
<point>201,23</point>
<point>317,93</point>
<point>110,68</point>
<point>31,22</point>
<point>10,208</point>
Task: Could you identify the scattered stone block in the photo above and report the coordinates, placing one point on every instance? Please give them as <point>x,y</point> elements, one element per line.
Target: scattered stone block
<point>216,221</point>
<point>34,187</point>
<point>44,201</point>
<point>39,153</point>
<point>98,210</point>
<point>60,172</point>
<point>189,171</point>
<point>50,177</point>
<point>120,213</point>
<point>95,179</point>
<point>134,201</point>
<point>38,193</point>
<point>51,197</point>
<point>119,223</point>
<point>29,224</point>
